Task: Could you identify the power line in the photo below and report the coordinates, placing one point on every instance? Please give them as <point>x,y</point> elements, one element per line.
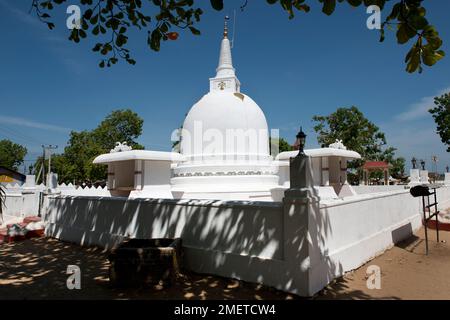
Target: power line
<point>20,135</point>
<point>9,137</point>
<point>18,139</point>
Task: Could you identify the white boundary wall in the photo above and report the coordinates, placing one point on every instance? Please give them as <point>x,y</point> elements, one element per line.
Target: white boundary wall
<point>23,201</point>
<point>296,246</point>
<point>20,201</point>
<point>71,190</point>
<point>361,189</point>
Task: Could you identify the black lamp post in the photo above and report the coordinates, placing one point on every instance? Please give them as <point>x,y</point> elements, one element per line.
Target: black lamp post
<point>422,163</point>
<point>300,142</point>
<point>447,168</point>
<point>414,162</point>
<point>298,168</point>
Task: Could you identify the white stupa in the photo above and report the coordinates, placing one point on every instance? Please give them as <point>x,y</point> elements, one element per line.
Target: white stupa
<point>225,141</point>
<point>224,153</point>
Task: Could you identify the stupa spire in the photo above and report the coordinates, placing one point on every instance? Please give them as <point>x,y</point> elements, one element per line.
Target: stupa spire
<point>225,78</point>
<point>225,27</point>
<point>225,67</point>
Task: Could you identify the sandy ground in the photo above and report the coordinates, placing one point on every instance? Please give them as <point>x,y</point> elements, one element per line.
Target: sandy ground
<point>406,272</point>
<point>36,269</point>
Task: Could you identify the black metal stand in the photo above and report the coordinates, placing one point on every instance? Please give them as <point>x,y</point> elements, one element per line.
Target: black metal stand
<point>425,193</point>
<point>427,207</point>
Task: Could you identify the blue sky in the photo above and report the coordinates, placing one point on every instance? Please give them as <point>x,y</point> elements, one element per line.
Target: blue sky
<point>293,69</point>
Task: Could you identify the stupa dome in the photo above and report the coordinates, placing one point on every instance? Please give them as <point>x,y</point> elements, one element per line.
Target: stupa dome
<point>220,115</point>
<point>225,142</point>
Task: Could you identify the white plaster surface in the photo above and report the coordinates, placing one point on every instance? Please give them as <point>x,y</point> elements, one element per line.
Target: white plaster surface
<point>414,177</point>
<point>253,241</point>
<point>424,177</point>
<point>138,155</point>
<point>322,152</point>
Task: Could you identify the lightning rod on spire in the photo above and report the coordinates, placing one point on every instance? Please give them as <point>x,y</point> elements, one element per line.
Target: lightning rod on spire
<point>225,28</point>
<point>234,30</point>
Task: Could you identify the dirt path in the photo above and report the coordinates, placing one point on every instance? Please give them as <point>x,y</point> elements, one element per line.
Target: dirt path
<point>406,273</point>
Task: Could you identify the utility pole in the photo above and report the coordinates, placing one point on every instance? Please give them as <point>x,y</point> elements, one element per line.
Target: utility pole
<point>43,165</point>
<point>47,148</point>
<point>50,148</point>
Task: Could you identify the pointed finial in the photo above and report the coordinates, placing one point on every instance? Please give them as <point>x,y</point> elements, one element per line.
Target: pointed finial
<point>225,28</point>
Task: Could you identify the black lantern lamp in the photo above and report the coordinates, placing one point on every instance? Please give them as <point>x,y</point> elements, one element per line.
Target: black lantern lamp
<point>447,168</point>
<point>414,162</point>
<point>422,163</point>
<point>298,164</point>
<point>300,142</point>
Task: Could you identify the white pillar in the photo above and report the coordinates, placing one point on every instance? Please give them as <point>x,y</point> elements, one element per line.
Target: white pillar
<point>300,225</point>
<point>447,179</point>
<point>111,177</point>
<point>414,177</point>
<point>138,175</point>
<point>343,170</point>
<point>325,172</point>
<point>30,181</point>
<point>301,178</point>
<point>424,179</point>
<point>52,181</point>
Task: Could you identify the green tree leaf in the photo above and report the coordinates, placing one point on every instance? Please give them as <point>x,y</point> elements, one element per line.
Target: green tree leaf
<point>357,133</point>
<point>328,6</point>
<point>109,18</point>
<point>217,4</point>
<point>11,154</point>
<point>441,115</point>
<point>75,164</point>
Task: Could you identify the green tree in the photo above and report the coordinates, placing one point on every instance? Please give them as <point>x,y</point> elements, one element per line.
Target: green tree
<point>441,115</point>
<point>358,134</point>
<point>112,21</point>
<point>11,154</point>
<point>119,126</point>
<point>59,164</point>
<point>282,145</point>
<point>397,169</point>
<point>75,164</point>
<point>353,128</point>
